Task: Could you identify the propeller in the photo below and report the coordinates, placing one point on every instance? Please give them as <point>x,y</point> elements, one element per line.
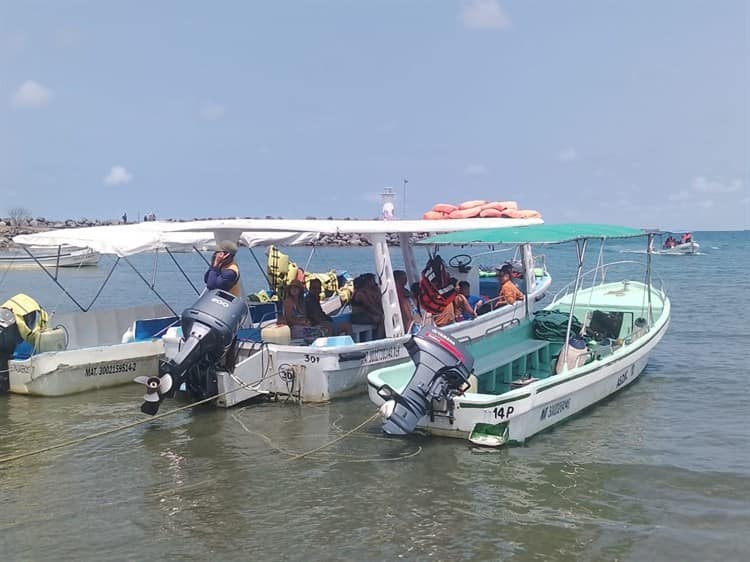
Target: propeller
<point>156,387</point>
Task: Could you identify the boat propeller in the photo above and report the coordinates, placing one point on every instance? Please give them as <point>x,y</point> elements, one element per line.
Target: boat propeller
<point>156,388</point>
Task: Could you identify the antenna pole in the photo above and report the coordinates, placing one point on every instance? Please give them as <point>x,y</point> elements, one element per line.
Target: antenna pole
<point>405,182</point>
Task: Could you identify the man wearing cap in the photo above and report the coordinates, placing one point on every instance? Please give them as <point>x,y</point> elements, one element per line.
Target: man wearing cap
<point>224,273</point>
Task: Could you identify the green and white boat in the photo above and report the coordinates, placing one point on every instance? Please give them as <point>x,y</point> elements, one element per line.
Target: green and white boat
<point>539,371</point>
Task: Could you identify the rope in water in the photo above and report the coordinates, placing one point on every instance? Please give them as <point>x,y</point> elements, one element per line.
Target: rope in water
<point>72,442</point>
<point>334,441</point>
<point>91,436</point>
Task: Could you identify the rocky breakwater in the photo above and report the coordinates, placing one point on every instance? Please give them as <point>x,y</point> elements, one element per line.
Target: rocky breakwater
<point>10,228</point>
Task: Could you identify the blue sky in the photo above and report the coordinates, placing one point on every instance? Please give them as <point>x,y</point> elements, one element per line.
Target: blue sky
<point>635,113</point>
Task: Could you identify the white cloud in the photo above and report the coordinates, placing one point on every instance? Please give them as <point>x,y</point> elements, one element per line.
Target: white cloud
<point>476,170</point>
<point>704,185</point>
<point>682,195</point>
<point>31,94</point>
<point>706,204</point>
<point>567,154</point>
<point>212,111</point>
<point>118,175</point>
<point>484,14</point>
<point>745,200</point>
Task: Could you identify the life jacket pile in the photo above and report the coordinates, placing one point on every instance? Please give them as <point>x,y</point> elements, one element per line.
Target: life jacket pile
<point>435,288</point>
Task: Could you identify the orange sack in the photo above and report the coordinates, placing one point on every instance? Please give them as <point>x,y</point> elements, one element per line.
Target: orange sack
<point>494,205</point>
<point>521,214</point>
<point>471,204</point>
<point>490,213</point>
<point>443,208</point>
<point>465,213</point>
<point>434,215</point>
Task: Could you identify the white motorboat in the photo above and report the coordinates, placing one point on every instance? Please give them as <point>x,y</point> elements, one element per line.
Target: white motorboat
<point>586,345</point>
<point>326,368</point>
<point>681,245</point>
<point>33,257</point>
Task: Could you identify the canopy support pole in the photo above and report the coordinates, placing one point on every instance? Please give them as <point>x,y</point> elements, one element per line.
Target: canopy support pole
<point>394,324</point>
<point>580,252</point>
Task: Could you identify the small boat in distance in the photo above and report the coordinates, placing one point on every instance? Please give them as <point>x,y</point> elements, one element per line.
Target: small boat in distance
<point>33,257</point>
<point>679,244</point>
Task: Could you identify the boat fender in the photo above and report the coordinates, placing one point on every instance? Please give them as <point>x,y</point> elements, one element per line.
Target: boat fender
<point>434,215</point>
<point>31,318</point>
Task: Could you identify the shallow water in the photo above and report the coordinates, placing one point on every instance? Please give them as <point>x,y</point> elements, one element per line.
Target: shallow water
<point>659,472</point>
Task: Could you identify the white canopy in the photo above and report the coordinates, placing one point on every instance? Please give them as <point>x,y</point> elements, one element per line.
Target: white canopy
<point>129,239</point>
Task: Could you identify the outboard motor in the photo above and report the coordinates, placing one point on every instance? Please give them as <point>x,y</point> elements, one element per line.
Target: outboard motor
<point>443,370</point>
<point>209,335</point>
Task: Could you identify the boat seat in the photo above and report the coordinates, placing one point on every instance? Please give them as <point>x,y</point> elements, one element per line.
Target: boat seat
<point>496,371</point>
<point>363,332</point>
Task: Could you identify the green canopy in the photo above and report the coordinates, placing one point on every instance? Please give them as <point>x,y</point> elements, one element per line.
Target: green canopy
<point>535,234</point>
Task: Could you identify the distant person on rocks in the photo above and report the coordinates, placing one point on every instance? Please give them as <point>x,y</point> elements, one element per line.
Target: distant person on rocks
<point>224,273</point>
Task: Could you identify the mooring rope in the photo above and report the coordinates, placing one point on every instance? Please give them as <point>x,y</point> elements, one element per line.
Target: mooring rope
<point>334,441</point>
<point>72,442</point>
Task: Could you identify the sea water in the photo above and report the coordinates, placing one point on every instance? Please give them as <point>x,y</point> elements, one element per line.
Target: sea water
<point>661,471</point>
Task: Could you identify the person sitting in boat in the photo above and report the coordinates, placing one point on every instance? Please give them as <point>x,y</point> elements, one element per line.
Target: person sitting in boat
<point>293,310</point>
<point>410,314</point>
<point>687,237</point>
<point>367,307</point>
<point>509,293</point>
<point>466,304</point>
<point>315,314</point>
<point>223,273</point>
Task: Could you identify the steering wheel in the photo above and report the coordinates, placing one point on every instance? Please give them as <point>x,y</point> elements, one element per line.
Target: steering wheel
<point>460,261</point>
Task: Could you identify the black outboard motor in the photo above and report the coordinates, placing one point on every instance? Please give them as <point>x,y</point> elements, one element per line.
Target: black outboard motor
<point>443,370</point>
<point>209,332</point>
<point>10,337</point>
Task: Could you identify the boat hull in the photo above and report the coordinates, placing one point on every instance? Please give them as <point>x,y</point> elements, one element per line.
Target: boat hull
<point>686,249</point>
<point>58,373</point>
<point>51,259</point>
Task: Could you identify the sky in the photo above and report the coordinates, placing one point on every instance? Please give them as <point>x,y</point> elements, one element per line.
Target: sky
<point>633,113</point>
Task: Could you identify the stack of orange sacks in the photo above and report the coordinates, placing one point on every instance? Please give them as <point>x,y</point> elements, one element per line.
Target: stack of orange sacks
<point>480,209</point>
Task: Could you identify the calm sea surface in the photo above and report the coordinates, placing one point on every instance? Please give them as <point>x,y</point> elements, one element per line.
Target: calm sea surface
<point>659,472</point>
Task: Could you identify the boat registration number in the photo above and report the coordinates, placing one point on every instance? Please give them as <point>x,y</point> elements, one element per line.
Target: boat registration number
<point>555,409</point>
<point>378,355</point>
<point>110,369</point>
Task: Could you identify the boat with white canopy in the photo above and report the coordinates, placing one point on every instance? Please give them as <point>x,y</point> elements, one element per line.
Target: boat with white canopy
<point>589,343</point>
<point>317,371</point>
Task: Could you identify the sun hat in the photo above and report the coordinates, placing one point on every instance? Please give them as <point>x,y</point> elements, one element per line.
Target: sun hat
<point>227,246</point>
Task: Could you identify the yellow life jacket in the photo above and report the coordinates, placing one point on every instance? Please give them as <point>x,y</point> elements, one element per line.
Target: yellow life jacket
<point>31,318</point>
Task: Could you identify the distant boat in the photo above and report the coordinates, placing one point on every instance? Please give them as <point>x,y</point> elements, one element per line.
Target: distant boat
<point>49,257</point>
<point>679,245</point>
